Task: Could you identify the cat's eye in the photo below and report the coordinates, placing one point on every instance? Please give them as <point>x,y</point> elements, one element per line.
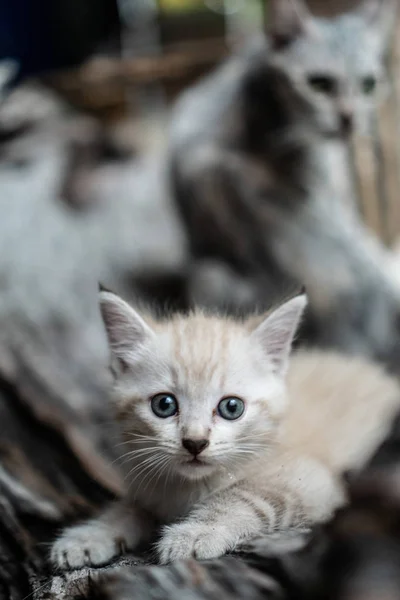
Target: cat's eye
<point>368,85</point>
<point>231,408</point>
<point>322,83</point>
<point>164,405</point>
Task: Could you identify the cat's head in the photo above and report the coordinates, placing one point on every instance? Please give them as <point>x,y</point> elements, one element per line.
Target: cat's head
<point>196,394</point>
<point>331,70</point>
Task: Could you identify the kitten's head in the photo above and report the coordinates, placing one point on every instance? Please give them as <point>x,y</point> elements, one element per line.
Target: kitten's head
<point>197,393</point>
<point>331,70</point>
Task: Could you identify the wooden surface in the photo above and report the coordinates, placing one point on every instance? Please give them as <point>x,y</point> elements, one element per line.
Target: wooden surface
<point>377,158</point>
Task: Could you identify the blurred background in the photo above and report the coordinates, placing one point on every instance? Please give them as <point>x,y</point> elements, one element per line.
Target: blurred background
<point>127,60</point>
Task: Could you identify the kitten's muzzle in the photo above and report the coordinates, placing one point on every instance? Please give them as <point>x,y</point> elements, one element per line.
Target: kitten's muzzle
<point>195,447</point>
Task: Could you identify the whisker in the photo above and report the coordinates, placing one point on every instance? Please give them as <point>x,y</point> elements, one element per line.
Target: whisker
<point>164,469</point>
<point>137,437</point>
<point>144,441</point>
<point>142,475</point>
<point>132,452</point>
<point>157,468</point>
<point>142,464</point>
<point>167,475</point>
<point>146,471</point>
<point>135,454</point>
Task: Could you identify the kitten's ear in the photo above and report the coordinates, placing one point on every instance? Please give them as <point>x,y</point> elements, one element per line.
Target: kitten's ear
<point>276,332</point>
<point>287,19</point>
<point>127,332</point>
<point>380,17</point>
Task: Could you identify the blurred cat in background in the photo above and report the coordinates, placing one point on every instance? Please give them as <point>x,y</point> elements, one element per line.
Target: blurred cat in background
<point>259,166</point>
<point>133,235</point>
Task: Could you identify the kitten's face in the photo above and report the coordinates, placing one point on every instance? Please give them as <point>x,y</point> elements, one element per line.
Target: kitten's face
<point>334,68</point>
<point>199,394</point>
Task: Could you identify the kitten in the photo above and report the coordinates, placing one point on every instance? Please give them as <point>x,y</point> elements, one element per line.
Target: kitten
<point>260,170</point>
<point>225,439</point>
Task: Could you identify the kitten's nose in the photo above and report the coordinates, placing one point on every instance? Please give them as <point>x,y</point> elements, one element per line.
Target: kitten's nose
<point>195,447</point>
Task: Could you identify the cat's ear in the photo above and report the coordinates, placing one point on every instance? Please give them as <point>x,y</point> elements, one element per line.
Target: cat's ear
<point>276,332</point>
<point>380,17</point>
<point>287,19</point>
<point>127,332</point>
<point>8,70</point>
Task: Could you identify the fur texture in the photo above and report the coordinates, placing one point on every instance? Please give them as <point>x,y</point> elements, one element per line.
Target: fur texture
<point>249,442</point>
<point>260,169</point>
<point>131,228</point>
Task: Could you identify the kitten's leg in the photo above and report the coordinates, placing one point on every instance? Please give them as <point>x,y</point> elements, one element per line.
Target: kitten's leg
<point>295,496</point>
<point>97,541</point>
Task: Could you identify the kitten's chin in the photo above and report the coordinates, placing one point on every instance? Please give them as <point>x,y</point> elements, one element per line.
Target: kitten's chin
<point>194,471</point>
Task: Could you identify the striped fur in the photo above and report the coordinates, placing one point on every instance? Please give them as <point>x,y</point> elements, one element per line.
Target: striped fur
<point>261,171</point>
<point>306,422</point>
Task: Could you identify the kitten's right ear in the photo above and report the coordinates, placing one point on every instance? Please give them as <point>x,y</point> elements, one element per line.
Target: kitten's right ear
<point>127,332</point>
<point>275,334</point>
<point>287,19</point>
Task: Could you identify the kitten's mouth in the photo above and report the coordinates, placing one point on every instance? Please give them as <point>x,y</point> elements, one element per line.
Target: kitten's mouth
<point>196,462</point>
<point>195,469</point>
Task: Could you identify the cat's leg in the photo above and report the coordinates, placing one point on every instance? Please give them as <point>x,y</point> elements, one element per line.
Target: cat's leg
<point>213,283</point>
<point>236,211</point>
<point>217,192</point>
<point>95,542</point>
<point>296,496</point>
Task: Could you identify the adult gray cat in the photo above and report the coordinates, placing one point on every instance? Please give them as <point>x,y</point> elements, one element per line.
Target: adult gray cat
<point>259,166</point>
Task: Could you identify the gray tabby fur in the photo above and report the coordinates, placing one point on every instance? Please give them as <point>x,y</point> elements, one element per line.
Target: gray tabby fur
<point>259,166</point>
<point>127,222</point>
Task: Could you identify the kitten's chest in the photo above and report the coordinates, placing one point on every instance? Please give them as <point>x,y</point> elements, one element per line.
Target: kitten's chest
<point>171,500</point>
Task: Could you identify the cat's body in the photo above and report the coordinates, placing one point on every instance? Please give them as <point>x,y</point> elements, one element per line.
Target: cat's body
<point>260,169</point>
<point>218,448</point>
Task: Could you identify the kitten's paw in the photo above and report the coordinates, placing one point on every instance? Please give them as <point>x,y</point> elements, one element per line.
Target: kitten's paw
<point>193,540</point>
<point>90,544</point>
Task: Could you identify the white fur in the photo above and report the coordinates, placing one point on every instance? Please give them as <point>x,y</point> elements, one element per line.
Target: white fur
<point>276,467</point>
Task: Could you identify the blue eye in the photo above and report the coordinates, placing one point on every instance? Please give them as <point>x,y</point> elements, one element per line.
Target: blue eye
<point>231,408</point>
<point>164,405</point>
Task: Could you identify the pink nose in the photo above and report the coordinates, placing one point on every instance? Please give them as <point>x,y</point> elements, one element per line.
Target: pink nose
<point>195,447</point>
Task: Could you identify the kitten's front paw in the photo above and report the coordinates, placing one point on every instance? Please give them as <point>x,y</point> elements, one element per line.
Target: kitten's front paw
<point>90,544</point>
<point>193,540</point>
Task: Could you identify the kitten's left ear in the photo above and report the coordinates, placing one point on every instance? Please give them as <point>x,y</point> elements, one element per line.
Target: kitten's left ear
<point>275,334</point>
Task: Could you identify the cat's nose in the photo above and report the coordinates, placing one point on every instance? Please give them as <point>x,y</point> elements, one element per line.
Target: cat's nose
<point>195,447</point>
<point>346,122</point>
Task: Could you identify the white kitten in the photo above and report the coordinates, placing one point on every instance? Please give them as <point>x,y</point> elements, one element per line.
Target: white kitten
<point>218,451</point>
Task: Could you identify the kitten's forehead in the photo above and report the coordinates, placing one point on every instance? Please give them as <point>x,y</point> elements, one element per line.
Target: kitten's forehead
<point>345,44</point>
<point>209,358</point>
<point>202,348</point>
